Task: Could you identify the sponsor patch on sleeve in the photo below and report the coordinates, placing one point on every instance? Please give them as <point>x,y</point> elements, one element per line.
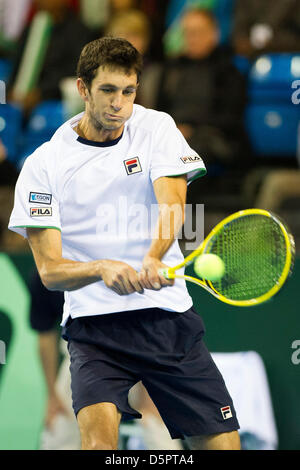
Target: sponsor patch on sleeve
<point>41,211</point>
<point>40,198</point>
<point>191,159</point>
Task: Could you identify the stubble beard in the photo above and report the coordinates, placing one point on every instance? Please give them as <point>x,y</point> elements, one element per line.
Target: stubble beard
<point>98,125</point>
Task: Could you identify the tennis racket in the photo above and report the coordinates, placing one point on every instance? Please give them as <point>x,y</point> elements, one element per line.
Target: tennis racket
<point>258,252</point>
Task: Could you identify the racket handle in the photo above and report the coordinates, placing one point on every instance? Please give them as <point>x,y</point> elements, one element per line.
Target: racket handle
<point>166,273</point>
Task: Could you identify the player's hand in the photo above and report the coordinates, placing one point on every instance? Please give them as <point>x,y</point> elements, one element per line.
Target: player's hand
<point>120,277</point>
<point>149,277</point>
<point>54,407</point>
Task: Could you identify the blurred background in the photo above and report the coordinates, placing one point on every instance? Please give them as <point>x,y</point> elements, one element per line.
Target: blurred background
<point>228,71</point>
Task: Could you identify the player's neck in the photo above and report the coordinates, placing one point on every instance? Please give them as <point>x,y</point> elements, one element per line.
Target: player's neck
<point>87,130</point>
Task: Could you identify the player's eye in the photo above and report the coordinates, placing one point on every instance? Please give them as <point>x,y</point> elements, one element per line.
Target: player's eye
<point>107,90</point>
<point>129,91</point>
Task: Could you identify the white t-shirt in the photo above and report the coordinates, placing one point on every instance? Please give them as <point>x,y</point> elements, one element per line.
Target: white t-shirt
<point>100,196</point>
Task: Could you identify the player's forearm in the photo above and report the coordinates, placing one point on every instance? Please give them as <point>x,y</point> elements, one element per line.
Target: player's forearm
<point>68,275</point>
<point>169,225</point>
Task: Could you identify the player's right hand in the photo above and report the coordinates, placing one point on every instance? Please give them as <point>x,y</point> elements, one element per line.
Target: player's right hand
<point>120,277</point>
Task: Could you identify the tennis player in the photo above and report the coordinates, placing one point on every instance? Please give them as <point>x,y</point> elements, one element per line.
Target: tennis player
<point>84,201</point>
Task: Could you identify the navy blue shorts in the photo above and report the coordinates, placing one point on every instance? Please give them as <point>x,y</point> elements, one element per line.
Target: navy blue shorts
<point>165,350</point>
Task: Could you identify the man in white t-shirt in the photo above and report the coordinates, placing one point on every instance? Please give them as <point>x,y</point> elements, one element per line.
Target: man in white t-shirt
<point>86,200</point>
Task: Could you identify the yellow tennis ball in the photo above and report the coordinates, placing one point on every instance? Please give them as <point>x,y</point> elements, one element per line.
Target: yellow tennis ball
<point>209,266</point>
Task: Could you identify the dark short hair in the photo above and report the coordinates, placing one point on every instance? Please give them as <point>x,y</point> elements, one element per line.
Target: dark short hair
<point>108,51</point>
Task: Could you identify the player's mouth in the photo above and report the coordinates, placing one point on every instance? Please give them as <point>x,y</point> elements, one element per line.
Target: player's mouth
<point>113,117</point>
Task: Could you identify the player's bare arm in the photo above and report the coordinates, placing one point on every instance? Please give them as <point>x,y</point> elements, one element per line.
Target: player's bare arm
<point>62,274</point>
<point>170,193</point>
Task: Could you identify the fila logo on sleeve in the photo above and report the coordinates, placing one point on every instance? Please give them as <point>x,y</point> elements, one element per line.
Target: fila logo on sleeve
<point>226,412</point>
<point>40,211</point>
<point>132,165</point>
<point>191,159</point>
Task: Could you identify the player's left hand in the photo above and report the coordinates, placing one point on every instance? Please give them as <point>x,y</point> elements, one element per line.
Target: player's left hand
<point>149,277</point>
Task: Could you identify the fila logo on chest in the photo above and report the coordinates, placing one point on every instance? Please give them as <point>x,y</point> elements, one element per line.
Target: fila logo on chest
<point>132,165</point>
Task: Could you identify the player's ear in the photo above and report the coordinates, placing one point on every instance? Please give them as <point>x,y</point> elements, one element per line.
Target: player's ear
<point>82,89</point>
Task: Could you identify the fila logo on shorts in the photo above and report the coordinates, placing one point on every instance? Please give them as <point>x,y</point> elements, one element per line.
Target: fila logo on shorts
<point>132,166</point>
<point>226,412</point>
<point>40,211</point>
<point>191,159</point>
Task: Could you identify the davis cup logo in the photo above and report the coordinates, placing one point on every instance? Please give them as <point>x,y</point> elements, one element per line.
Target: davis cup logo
<point>132,166</point>
<point>226,412</point>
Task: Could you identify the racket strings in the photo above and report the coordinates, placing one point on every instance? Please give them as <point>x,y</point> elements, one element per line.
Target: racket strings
<point>253,249</point>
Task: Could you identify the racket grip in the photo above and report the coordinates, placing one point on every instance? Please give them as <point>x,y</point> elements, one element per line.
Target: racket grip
<point>166,273</point>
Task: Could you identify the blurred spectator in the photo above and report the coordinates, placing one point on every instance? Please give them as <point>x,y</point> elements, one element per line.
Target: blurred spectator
<point>266,26</point>
<point>177,7</point>
<point>134,26</point>
<point>122,5</point>
<point>278,187</point>
<point>95,14</point>
<point>173,41</point>
<point>155,10</point>
<point>68,36</point>
<point>206,95</point>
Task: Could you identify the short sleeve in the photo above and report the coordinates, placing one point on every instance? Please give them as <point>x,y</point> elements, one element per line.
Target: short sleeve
<point>172,156</point>
<point>35,203</point>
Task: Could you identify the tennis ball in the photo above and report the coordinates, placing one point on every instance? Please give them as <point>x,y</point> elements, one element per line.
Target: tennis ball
<point>209,266</point>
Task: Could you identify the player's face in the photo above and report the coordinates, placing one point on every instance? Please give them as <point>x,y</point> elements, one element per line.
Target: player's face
<point>111,98</point>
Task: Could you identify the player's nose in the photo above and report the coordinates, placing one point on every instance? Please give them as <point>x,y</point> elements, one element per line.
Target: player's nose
<point>117,102</point>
